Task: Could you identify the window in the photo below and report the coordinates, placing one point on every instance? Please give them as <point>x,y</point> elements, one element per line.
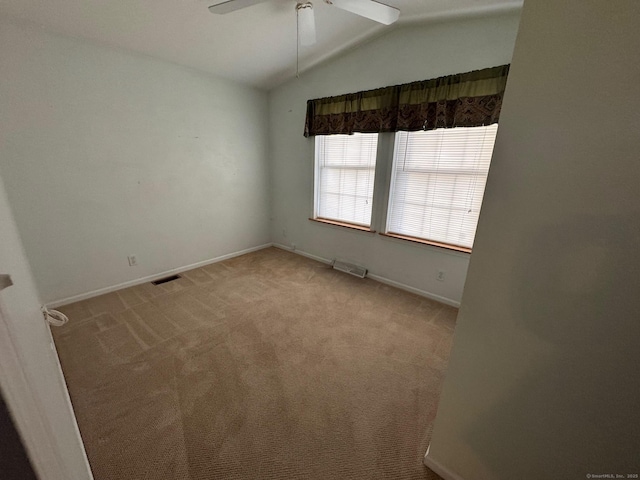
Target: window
<point>437,183</point>
<point>345,171</point>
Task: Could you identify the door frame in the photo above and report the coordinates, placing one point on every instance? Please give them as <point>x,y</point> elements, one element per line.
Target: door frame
<point>22,400</point>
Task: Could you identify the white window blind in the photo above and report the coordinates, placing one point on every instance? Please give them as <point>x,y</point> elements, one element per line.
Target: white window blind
<point>345,171</point>
<point>438,182</point>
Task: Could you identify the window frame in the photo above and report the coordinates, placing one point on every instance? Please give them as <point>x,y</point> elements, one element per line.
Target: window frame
<point>383,178</point>
<point>390,191</point>
<point>316,190</point>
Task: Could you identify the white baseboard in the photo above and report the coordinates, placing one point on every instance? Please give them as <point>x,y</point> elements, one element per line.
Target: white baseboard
<point>417,291</point>
<point>438,468</point>
<point>378,278</point>
<point>151,278</point>
<point>304,254</point>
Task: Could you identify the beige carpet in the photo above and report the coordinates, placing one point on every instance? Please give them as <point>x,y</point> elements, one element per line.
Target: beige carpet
<point>265,366</point>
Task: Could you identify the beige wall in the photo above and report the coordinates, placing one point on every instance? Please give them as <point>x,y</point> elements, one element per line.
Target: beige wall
<point>543,377</point>
<point>107,153</point>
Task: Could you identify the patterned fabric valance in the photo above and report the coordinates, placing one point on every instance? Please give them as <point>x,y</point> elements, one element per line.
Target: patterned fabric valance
<point>464,100</point>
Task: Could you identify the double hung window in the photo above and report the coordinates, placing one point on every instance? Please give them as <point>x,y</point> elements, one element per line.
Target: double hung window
<point>436,188</point>
<point>438,181</point>
<point>345,173</point>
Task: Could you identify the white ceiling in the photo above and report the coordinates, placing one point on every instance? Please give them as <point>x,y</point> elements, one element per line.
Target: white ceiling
<point>255,46</point>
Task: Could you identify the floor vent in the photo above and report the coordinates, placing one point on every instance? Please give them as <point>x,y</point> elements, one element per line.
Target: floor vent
<point>350,268</point>
<point>166,279</point>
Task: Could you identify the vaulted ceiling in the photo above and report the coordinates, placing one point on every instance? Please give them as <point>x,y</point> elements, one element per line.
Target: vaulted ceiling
<point>255,46</point>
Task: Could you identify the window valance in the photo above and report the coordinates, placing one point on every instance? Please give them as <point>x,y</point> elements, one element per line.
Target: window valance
<point>464,100</point>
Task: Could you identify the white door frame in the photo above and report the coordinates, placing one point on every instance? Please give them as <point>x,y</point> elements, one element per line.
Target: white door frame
<point>22,400</point>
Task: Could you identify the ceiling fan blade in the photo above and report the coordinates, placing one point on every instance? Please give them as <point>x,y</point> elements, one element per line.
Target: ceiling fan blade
<point>371,9</point>
<point>306,24</point>
<point>232,5</point>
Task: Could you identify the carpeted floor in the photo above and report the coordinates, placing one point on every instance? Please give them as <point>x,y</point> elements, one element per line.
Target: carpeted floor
<point>265,366</point>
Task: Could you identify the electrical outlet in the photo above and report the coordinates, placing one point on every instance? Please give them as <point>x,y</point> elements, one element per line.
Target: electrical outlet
<point>133,260</point>
<point>293,247</point>
<point>440,276</point>
<point>284,233</point>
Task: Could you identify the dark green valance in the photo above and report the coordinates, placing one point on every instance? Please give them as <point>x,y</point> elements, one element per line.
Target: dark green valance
<point>464,100</point>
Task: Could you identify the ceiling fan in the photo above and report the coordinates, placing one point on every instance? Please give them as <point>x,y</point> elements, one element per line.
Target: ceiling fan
<point>370,9</point>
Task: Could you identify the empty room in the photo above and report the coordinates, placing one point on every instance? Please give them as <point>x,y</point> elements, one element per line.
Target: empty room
<point>348,239</point>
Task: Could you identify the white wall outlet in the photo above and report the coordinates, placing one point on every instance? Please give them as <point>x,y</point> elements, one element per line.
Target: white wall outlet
<point>440,276</point>
<point>284,232</point>
<point>293,246</point>
<point>133,260</point>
